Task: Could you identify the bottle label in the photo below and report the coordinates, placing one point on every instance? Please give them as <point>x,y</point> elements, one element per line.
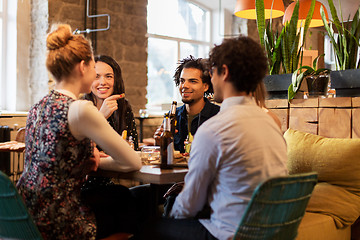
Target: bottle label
<point>170,153</point>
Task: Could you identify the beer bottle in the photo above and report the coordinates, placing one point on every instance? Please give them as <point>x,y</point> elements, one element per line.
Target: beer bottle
<point>173,117</point>
<point>131,142</point>
<point>166,145</point>
<point>187,142</point>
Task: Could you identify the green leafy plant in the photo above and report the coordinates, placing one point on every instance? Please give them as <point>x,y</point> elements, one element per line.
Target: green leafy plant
<point>299,75</point>
<point>347,43</point>
<point>283,50</point>
<point>269,39</point>
<point>273,49</point>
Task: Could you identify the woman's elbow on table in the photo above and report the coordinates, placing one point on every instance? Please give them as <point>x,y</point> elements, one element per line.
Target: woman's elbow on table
<point>121,165</point>
<point>131,166</point>
<point>137,163</point>
<point>133,160</point>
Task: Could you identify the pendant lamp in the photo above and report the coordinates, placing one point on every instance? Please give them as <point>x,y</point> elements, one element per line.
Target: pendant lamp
<point>246,9</point>
<point>304,7</point>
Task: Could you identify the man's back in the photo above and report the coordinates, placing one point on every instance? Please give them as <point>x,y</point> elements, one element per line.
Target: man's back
<point>231,154</point>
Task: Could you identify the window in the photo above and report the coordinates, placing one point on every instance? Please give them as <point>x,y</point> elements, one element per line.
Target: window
<point>177,29</point>
<point>329,57</point>
<point>2,46</point>
<point>8,69</point>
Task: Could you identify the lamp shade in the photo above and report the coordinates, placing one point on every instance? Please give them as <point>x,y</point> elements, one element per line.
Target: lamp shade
<point>304,8</point>
<point>246,9</point>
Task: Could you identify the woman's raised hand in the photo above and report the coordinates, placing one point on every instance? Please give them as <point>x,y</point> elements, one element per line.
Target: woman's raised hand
<point>110,105</point>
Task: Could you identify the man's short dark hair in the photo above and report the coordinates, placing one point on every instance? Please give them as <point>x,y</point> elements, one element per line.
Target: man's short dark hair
<point>197,63</point>
<point>245,60</point>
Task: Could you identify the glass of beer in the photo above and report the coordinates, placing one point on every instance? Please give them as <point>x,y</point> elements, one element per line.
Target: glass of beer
<point>150,154</point>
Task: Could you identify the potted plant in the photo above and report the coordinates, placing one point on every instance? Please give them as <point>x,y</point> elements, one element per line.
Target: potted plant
<point>283,49</point>
<point>317,80</point>
<point>346,80</point>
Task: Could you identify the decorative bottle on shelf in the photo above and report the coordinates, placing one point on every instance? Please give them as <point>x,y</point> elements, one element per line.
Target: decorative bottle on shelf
<point>166,145</point>
<point>173,121</point>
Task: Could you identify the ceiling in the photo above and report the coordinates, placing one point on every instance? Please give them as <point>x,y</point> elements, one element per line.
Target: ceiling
<point>214,4</point>
<point>348,7</point>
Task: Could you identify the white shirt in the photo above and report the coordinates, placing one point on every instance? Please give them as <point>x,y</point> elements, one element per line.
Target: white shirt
<point>231,154</point>
<point>85,121</point>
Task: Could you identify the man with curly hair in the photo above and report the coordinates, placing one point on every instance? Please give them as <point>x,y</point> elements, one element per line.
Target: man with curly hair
<point>231,154</point>
<point>193,79</point>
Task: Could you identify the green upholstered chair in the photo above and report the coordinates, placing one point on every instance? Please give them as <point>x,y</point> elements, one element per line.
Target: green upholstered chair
<point>276,208</point>
<point>15,220</point>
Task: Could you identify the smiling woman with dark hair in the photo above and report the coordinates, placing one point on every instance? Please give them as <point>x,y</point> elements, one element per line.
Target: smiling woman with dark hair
<point>110,201</point>
<point>108,95</point>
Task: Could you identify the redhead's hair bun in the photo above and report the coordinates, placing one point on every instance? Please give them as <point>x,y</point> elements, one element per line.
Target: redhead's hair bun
<point>65,50</point>
<point>59,37</point>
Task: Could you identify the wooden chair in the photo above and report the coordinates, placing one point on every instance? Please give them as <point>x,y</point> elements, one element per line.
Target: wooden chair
<point>276,208</point>
<point>16,149</point>
<point>20,135</point>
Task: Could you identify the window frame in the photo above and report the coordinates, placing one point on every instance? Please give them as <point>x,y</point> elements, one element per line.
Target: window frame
<point>155,109</point>
<point>9,68</point>
<point>3,83</point>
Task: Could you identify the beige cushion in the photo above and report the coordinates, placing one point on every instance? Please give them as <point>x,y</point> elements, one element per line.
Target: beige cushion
<point>337,163</point>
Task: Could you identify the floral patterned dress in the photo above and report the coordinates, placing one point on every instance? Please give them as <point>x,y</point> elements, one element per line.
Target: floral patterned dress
<point>55,169</point>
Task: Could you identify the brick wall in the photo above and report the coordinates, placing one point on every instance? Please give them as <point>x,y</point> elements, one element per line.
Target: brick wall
<point>125,41</point>
<point>38,83</point>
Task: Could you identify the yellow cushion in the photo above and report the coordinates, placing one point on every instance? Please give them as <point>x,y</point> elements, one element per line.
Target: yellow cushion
<point>343,206</point>
<point>320,227</point>
<point>336,160</point>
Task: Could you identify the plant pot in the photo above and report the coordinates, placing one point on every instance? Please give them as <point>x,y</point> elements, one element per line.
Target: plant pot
<point>277,85</point>
<point>317,85</point>
<point>346,82</point>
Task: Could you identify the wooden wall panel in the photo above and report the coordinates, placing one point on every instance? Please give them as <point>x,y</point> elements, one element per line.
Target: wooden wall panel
<point>335,122</point>
<point>11,121</point>
<point>356,123</point>
<point>355,102</point>
<point>282,114</point>
<point>301,103</point>
<point>304,119</point>
<point>329,117</point>
<point>335,102</point>
<point>277,103</point>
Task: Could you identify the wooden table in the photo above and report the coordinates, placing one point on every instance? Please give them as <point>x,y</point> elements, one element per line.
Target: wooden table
<point>148,174</point>
<point>12,146</point>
